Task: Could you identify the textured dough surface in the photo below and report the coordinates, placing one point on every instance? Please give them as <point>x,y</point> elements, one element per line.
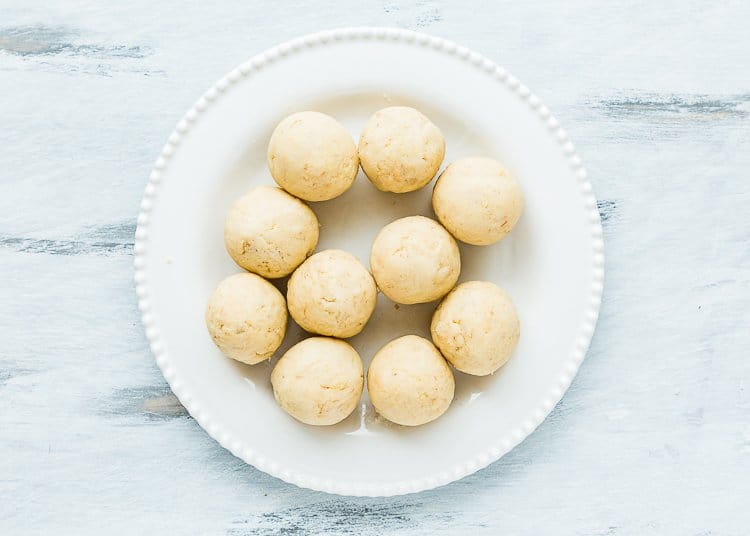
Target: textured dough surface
<point>400,149</point>
<point>318,381</point>
<point>246,318</point>
<point>332,294</point>
<point>269,232</point>
<point>415,260</point>
<point>312,156</point>
<point>477,200</point>
<point>476,327</point>
<point>409,382</point>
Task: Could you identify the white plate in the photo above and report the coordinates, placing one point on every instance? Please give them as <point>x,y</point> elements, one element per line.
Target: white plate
<point>551,264</point>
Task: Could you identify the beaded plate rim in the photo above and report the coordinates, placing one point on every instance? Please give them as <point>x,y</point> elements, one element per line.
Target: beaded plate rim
<point>504,444</point>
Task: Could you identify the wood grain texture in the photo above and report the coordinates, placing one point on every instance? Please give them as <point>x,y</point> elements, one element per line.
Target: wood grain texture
<point>652,438</point>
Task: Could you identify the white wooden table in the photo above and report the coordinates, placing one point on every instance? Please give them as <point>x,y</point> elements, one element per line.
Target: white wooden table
<point>652,438</point>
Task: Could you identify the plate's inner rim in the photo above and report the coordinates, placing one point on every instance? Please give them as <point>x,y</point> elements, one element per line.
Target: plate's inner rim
<point>503,444</point>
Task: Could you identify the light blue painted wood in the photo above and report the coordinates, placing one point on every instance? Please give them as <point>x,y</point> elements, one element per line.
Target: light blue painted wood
<point>652,438</point>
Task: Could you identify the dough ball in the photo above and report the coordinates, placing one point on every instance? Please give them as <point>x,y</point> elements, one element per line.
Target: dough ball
<point>400,149</point>
<point>269,232</point>
<point>246,318</point>
<point>477,200</point>
<point>331,293</point>
<point>476,327</point>
<point>415,260</point>
<point>409,381</point>
<point>318,381</point>
<point>312,156</point>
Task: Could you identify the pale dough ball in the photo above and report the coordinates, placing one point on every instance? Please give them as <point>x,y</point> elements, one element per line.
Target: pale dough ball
<point>415,260</point>
<point>246,317</point>
<point>400,149</point>
<point>318,381</point>
<point>312,156</point>
<point>409,382</point>
<point>331,293</point>
<point>269,232</point>
<point>476,327</point>
<point>477,200</point>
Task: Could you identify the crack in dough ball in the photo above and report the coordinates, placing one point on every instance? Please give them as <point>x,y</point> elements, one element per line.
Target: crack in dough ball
<point>400,149</point>
<point>318,381</point>
<point>312,156</point>
<point>409,382</point>
<point>477,200</point>
<point>476,327</point>
<point>269,232</point>
<point>415,260</point>
<point>332,294</point>
<point>246,318</point>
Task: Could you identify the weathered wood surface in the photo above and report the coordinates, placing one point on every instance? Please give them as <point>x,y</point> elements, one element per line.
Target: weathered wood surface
<point>652,438</point>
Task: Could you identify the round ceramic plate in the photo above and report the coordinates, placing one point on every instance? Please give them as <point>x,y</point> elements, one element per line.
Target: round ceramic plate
<point>551,264</point>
